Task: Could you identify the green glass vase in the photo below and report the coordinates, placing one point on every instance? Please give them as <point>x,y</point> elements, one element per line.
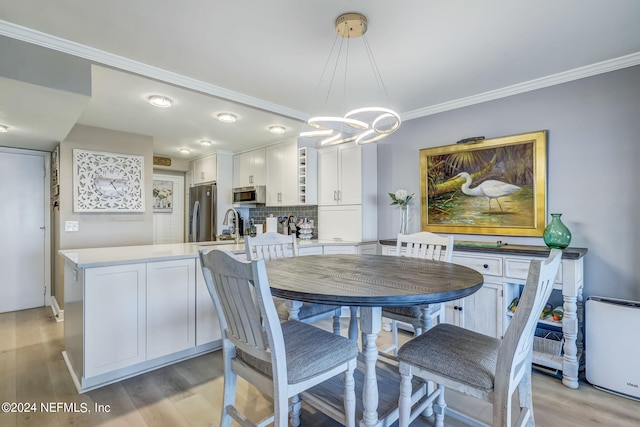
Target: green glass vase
<point>556,234</point>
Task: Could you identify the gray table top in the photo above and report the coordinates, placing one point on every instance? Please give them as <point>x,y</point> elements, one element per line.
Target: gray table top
<point>370,280</point>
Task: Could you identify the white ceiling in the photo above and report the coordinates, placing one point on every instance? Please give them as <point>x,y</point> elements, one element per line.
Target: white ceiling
<point>264,59</point>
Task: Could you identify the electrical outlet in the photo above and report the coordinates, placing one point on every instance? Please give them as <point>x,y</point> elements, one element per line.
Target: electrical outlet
<point>71,226</point>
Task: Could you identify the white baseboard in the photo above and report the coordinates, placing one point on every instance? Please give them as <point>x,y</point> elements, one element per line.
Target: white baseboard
<point>57,312</point>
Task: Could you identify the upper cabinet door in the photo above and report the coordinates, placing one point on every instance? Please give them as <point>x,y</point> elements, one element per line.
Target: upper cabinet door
<point>350,174</point>
<point>249,168</point>
<point>282,174</point>
<point>328,176</point>
<point>340,175</point>
<point>204,169</point>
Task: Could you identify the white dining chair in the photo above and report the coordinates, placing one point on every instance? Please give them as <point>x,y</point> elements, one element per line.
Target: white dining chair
<point>273,245</point>
<point>280,359</point>
<point>418,245</point>
<point>485,367</point>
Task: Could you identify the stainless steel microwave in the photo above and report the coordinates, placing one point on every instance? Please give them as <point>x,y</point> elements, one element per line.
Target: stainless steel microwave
<point>250,195</point>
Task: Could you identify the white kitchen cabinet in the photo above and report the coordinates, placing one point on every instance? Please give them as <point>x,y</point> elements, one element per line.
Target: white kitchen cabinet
<point>207,323</point>
<point>340,175</point>
<point>481,312</point>
<point>114,317</point>
<point>282,174</point>
<point>249,168</point>
<point>171,322</point>
<point>347,192</point>
<point>124,319</point>
<point>349,223</point>
<point>204,169</point>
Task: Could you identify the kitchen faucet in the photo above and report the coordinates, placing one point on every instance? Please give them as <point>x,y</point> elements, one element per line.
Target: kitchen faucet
<point>236,233</point>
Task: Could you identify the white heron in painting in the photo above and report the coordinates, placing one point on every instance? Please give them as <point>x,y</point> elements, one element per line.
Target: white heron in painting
<point>491,189</point>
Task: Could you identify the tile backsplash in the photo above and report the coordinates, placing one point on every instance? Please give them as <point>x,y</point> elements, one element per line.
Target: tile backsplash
<point>259,214</point>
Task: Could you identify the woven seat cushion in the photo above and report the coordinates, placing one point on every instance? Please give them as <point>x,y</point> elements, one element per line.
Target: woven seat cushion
<point>306,311</point>
<point>455,353</point>
<point>310,351</point>
<point>413,311</point>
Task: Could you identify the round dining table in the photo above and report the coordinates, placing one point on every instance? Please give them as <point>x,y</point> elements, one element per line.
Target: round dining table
<point>370,282</point>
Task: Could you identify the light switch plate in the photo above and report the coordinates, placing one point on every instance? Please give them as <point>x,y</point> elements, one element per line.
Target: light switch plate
<point>71,226</point>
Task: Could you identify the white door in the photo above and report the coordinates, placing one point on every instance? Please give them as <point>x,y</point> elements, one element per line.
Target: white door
<point>168,222</point>
<point>22,231</point>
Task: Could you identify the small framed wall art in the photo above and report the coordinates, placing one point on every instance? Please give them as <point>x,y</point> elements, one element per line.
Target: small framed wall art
<point>494,186</point>
<point>162,196</point>
<point>107,182</point>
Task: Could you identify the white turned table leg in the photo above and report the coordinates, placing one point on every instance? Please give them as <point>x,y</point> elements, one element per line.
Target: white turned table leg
<point>370,325</point>
<point>294,309</point>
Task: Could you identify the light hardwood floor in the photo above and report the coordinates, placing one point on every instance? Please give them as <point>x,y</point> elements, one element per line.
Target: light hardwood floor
<point>189,393</point>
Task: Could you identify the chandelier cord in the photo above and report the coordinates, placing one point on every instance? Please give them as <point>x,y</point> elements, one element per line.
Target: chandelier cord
<point>374,67</point>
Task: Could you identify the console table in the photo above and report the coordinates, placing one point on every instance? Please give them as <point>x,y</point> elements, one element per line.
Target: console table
<point>505,270</point>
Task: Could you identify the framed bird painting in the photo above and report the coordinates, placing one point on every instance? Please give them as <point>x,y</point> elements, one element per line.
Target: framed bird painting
<point>486,186</point>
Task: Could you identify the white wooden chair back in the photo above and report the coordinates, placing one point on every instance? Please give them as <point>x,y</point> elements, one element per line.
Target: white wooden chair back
<point>426,245</point>
<point>233,283</point>
<point>515,353</point>
<point>270,246</point>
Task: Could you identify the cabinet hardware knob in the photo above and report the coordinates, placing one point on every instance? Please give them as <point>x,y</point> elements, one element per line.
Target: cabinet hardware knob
<point>486,266</point>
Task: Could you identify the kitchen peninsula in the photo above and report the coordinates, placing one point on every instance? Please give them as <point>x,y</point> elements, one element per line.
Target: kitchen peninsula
<point>132,309</point>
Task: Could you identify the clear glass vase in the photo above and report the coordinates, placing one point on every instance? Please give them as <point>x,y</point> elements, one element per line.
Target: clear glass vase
<point>404,220</point>
<point>556,234</point>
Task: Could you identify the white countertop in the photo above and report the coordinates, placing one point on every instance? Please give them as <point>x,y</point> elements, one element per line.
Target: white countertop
<point>94,257</point>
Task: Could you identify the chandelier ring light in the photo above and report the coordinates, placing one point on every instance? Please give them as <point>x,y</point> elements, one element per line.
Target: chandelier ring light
<point>363,125</point>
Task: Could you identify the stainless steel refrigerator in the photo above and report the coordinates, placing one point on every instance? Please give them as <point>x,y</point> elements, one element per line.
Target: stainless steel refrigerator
<point>202,213</point>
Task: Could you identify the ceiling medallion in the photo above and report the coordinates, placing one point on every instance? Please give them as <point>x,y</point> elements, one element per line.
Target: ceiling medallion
<point>362,125</point>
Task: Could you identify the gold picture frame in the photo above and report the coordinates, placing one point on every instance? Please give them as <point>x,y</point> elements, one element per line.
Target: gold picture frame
<point>492,186</point>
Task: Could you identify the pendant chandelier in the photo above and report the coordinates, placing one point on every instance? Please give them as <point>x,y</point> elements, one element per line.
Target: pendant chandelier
<point>364,124</point>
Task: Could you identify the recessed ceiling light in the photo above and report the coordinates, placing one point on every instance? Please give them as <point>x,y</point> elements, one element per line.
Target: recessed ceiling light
<point>160,101</point>
<point>277,129</point>
<point>206,142</point>
<point>4,129</point>
<point>227,117</point>
<point>185,150</point>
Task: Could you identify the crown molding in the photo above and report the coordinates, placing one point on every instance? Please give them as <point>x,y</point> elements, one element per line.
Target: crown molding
<point>543,82</point>
<point>105,58</point>
<point>120,62</point>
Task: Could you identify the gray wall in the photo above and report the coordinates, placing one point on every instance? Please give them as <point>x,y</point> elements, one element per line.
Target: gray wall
<point>593,156</point>
<point>100,229</point>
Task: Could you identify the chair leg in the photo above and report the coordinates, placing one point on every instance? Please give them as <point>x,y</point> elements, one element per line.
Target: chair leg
<point>404,402</point>
<point>350,396</point>
<point>229,397</point>
<point>353,323</point>
<point>296,409</point>
<point>525,398</point>
<point>440,406</point>
<point>394,335</point>
<point>336,321</point>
